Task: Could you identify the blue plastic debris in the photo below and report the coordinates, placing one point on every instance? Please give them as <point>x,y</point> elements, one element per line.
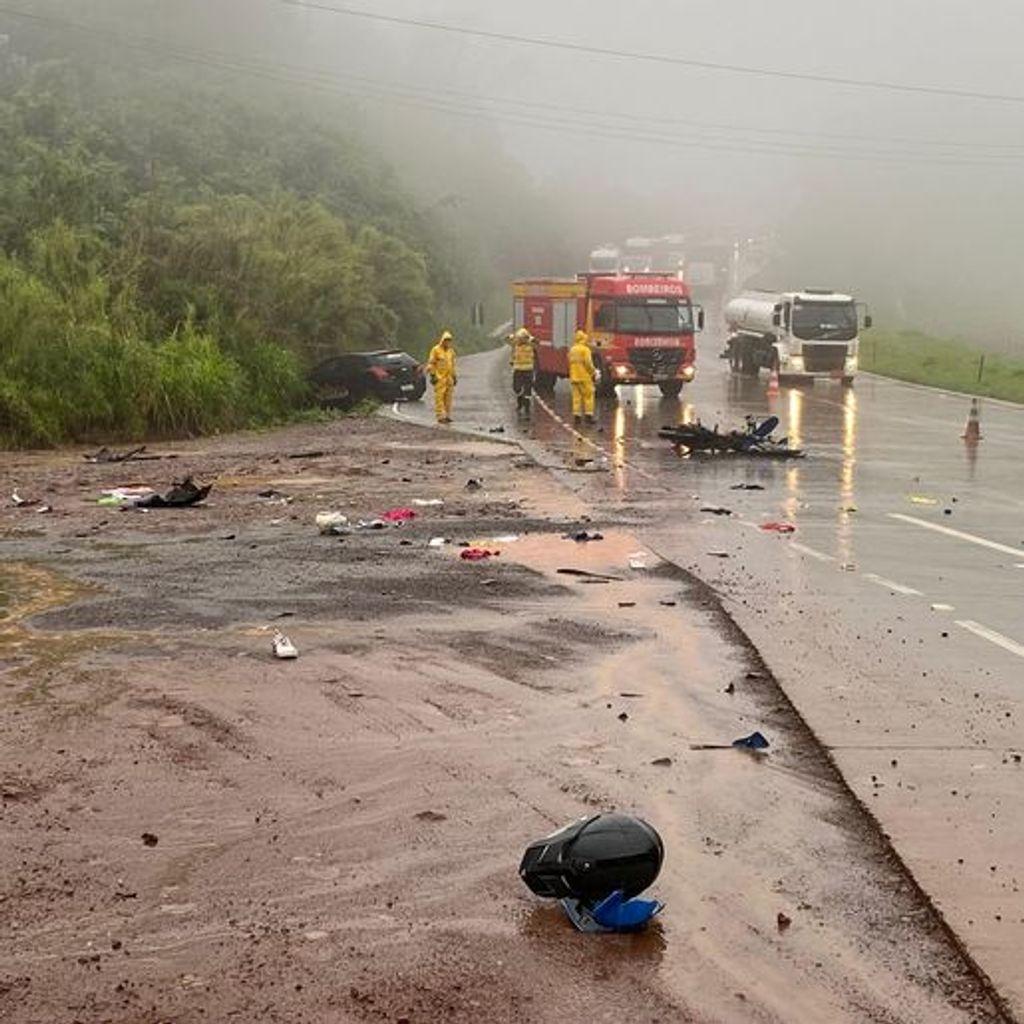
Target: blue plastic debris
<point>755,741</point>
<point>612,914</point>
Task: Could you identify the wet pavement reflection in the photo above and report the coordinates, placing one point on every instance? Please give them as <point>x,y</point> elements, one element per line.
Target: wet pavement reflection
<point>870,448</point>
<point>626,435</point>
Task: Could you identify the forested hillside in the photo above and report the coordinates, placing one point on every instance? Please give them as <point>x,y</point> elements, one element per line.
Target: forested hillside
<point>174,256</point>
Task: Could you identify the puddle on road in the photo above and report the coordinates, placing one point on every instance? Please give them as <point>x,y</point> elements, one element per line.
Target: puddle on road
<point>27,590</point>
<point>548,552</point>
<point>485,449</point>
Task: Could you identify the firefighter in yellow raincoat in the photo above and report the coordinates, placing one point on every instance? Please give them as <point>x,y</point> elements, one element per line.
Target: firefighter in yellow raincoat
<point>441,368</point>
<point>582,375</point>
<point>523,360</point>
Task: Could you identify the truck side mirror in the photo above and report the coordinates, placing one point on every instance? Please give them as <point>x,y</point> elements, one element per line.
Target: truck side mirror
<point>700,319</point>
<point>777,318</point>
<point>868,322</point>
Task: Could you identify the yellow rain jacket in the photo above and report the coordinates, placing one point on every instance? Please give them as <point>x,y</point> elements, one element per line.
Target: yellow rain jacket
<point>581,360</point>
<point>523,352</point>
<point>441,361</point>
<point>581,377</point>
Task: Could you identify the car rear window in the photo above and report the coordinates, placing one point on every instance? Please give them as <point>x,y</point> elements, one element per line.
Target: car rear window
<point>391,359</point>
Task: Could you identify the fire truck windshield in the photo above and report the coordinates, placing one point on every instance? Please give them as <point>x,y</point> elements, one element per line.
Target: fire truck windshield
<point>653,318</point>
<point>825,321</point>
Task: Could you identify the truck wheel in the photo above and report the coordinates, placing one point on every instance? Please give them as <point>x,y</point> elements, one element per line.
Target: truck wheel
<point>847,382</point>
<point>748,363</point>
<point>734,356</point>
<point>671,388</point>
<point>545,383</point>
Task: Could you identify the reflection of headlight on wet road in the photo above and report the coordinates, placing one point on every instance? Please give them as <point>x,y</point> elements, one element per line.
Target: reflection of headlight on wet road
<point>796,417</point>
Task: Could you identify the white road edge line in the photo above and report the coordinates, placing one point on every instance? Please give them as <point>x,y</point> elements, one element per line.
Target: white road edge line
<point>992,636</point>
<point>892,585</point>
<point>959,534</point>
<point>795,545</point>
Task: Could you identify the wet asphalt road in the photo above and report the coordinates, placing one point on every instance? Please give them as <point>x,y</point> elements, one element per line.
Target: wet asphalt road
<point>893,617</point>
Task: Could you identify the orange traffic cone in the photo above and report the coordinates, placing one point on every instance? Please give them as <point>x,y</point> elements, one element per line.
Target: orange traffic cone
<point>773,383</point>
<point>972,432</point>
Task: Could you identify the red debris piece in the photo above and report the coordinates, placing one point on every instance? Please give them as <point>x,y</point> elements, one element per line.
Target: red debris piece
<point>398,515</point>
<point>779,527</point>
<point>478,554</point>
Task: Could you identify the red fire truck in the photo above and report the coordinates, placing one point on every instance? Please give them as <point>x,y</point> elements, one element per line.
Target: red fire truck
<point>641,327</point>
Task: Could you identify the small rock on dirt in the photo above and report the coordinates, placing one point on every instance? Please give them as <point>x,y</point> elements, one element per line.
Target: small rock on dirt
<point>431,816</point>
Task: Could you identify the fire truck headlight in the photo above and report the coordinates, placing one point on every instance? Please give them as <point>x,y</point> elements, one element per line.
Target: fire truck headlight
<point>621,371</point>
<point>688,373</point>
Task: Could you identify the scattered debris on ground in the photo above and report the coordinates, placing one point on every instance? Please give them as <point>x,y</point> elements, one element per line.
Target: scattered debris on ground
<point>105,455</point>
<point>183,494</point>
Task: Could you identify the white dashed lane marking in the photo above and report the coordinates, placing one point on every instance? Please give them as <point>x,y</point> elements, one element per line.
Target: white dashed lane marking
<point>958,534</point>
<point>810,552</point>
<point>992,637</point>
<point>892,585</point>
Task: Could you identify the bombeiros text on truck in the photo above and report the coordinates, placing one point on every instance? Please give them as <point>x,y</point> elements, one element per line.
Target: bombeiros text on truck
<point>808,334</point>
<point>641,327</point>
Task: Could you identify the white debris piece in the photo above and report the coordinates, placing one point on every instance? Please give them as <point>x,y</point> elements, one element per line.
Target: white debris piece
<point>284,648</point>
<point>331,522</point>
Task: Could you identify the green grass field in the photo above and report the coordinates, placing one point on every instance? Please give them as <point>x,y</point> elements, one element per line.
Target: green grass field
<point>942,363</point>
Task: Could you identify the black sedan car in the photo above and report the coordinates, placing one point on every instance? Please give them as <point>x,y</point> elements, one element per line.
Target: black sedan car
<point>388,375</point>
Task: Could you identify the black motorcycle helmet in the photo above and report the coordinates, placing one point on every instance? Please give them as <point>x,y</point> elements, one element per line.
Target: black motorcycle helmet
<point>593,858</point>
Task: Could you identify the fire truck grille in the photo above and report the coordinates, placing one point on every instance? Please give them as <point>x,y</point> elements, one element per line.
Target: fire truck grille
<point>656,362</point>
<point>824,358</point>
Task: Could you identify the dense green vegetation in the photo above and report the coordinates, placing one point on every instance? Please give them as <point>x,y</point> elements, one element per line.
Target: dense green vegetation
<point>942,363</point>
<point>172,259</point>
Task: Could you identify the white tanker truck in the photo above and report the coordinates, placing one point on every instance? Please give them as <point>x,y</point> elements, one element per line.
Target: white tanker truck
<point>803,334</point>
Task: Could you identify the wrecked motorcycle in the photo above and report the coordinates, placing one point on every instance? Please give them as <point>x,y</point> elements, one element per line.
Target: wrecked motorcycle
<point>756,440</point>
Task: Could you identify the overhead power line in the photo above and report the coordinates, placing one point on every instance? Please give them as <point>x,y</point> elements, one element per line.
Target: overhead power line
<point>657,58</point>
<point>549,118</point>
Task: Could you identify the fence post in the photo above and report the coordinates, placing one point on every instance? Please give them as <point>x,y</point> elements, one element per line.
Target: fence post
<point>981,366</point>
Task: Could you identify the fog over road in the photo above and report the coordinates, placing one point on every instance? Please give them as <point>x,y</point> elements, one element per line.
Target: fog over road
<point>892,617</point>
